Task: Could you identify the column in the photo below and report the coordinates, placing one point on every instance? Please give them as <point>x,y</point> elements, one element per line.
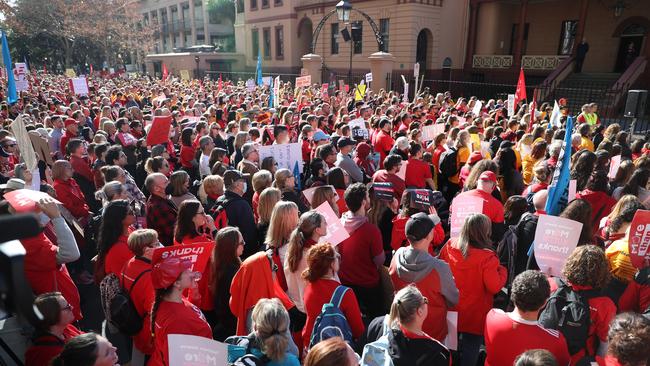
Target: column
<point>193,22</point>
<point>471,35</point>
<point>519,46</point>
<point>172,28</point>
<point>580,32</point>
<point>206,21</point>
<point>314,65</point>
<point>381,64</point>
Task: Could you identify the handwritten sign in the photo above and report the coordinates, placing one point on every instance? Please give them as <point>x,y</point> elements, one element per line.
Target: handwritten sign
<point>286,155</point>
<point>24,200</point>
<point>198,254</point>
<point>303,81</point>
<point>639,240</point>
<point>511,105</point>
<point>429,133</point>
<point>461,207</point>
<point>555,239</point>
<point>79,86</point>
<point>478,106</point>
<point>613,166</point>
<point>336,233</point>
<point>368,77</point>
<point>189,350</point>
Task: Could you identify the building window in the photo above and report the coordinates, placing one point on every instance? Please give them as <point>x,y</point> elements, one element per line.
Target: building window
<point>255,41</point>
<point>277,3</point>
<point>357,37</point>
<point>567,37</point>
<point>253,4</point>
<point>265,4</point>
<point>384,26</point>
<point>240,7</point>
<point>335,39</point>
<point>279,42</point>
<point>266,38</point>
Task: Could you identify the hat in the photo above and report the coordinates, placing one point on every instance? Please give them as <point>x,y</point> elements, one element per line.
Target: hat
<point>167,271</point>
<point>70,121</point>
<point>231,176</point>
<point>419,226</point>
<point>13,184</point>
<point>248,148</point>
<point>320,135</point>
<point>345,141</point>
<point>475,157</point>
<point>505,144</point>
<point>488,175</point>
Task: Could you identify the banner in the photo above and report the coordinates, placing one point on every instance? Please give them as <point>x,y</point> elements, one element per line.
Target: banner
<point>24,200</point>
<point>559,187</point>
<point>79,86</point>
<point>420,198</point>
<point>303,81</point>
<point>189,350</point>
<point>286,155</point>
<point>336,233</point>
<point>555,239</point>
<point>383,191</point>
<point>429,133</point>
<point>639,239</point>
<point>198,254</point>
<point>461,207</point>
<point>159,132</point>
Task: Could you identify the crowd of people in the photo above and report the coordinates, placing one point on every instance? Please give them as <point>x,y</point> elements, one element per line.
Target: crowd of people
<point>275,286</point>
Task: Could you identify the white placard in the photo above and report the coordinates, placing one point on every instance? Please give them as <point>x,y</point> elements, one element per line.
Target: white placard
<point>451,340</point>
<point>20,69</point>
<point>196,351</point>
<point>22,85</point>
<point>416,70</point>
<point>79,86</point>
<point>478,106</point>
<point>429,133</point>
<point>368,77</point>
<point>336,232</point>
<point>286,155</point>
<point>555,239</point>
<point>266,80</point>
<point>357,123</point>
<point>511,105</point>
<point>303,81</point>
<point>250,85</point>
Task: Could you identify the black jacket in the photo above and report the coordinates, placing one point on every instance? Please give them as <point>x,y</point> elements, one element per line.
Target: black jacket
<point>294,197</point>
<point>416,351</point>
<point>240,215</point>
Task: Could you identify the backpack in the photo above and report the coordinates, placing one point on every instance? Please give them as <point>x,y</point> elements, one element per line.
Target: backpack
<point>568,311</point>
<point>240,352</point>
<point>218,212</point>
<point>449,163</point>
<point>377,353</point>
<point>331,322</point>
<point>117,305</point>
<point>507,254</point>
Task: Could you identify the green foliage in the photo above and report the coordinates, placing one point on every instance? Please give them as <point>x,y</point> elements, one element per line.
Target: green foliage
<point>220,10</point>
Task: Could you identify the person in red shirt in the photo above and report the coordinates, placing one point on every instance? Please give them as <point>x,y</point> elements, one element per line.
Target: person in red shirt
<point>418,172</point>
<point>323,263</point>
<point>80,165</point>
<point>53,330</point>
<point>627,341</point>
<point>636,297</point>
<point>479,276</point>
<point>188,152</point>
<point>597,195</point>
<point>509,334</point>
<point>392,165</point>
<point>171,313</point>
<point>383,140</point>
<point>113,251</point>
<point>362,253</point>
<point>68,191</point>
<point>71,132</point>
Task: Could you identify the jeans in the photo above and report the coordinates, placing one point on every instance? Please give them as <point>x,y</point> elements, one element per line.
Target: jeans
<point>469,346</point>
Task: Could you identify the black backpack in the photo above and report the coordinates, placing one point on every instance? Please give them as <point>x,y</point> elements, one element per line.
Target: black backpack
<point>123,314</point>
<point>568,311</point>
<point>449,163</point>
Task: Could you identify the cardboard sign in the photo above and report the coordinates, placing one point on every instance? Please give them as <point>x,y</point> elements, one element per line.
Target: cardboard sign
<point>79,86</point>
<point>478,106</point>
<point>324,92</point>
<point>159,132</point>
<point>303,81</point>
<point>198,254</point>
<point>419,198</point>
<point>185,75</point>
<point>286,155</point>
<point>573,186</point>
<point>451,340</point>
<point>383,191</point>
<point>429,133</point>
<point>309,192</point>
<point>555,239</point>
<point>336,233</point>
<point>368,77</point>
<point>639,239</point>
<point>189,350</point>
<point>402,171</point>
<point>511,105</point>
<point>613,166</point>
<point>461,207</point>
<point>361,133</point>
<point>24,200</point>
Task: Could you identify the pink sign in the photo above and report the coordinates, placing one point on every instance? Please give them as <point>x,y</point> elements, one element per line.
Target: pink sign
<point>197,253</point>
<point>189,350</point>
<point>639,240</point>
<point>309,192</point>
<point>24,200</point>
<point>430,132</point>
<point>555,240</point>
<point>336,233</point>
<point>613,166</point>
<point>303,81</point>
<point>324,90</point>
<point>461,207</point>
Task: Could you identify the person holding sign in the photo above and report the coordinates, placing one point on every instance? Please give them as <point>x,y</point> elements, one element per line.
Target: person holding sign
<point>171,313</point>
<point>492,207</point>
<point>392,164</point>
<point>418,172</point>
<point>383,141</point>
<point>479,276</point>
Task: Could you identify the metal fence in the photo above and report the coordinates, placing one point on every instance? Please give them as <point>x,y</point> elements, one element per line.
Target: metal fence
<point>236,76</point>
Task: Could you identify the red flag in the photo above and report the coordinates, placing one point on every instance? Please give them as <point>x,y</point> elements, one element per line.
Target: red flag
<point>219,85</point>
<point>165,73</point>
<point>532,110</point>
<point>520,94</point>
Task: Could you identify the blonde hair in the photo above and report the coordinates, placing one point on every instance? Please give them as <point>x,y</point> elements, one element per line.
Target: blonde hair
<point>211,183</point>
<point>271,323</point>
<point>268,198</point>
<point>322,194</point>
<point>262,180</point>
<point>406,303</point>
<point>281,177</point>
<point>284,219</point>
<point>475,232</point>
<point>623,202</point>
<point>141,239</point>
<point>240,139</point>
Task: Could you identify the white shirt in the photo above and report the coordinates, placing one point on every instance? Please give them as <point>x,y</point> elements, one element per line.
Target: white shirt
<point>204,166</point>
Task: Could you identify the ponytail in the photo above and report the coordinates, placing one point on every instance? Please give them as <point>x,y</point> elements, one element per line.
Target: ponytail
<point>160,294</point>
<point>309,221</point>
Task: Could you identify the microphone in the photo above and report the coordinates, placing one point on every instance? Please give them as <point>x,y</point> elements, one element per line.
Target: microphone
<point>16,227</point>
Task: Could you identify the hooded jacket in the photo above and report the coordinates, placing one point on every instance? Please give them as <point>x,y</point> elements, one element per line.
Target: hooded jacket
<point>411,350</point>
<point>433,278</point>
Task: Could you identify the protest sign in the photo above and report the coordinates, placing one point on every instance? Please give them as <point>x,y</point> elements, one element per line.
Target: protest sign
<point>451,340</point>
<point>22,85</point>
<point>511,105</point>
<point>478,106</point>
<point>303,81</point>
<point>250,85</point>
<point>324,92</point>
<point>20,68</point>
<point>476,142</point>
<point>555,239</point>
<point>79,86</point>
<point>286,155</point>
<point>461,207</point>
<point>357,123</point>
<point>185,75</point>
<point>159,132</point>
<point>198,254</point>
<point>24,200</point>
<point>309,192</point>
<point>342,85</point>
<point>383,191</point>
<point>266,80</point>
<point>360,91</point>
<point>70,73</point>
<point>639,239</point>
<point>24,143</point>
<point>429,133</point>
<point>402,171</point>
<point>189,350</point>
<point>368,77</point>
<point>573,186</point>
<point>336,233</point>
<point>360,133</point>
<point>419,198</point>
<point>613,166</point>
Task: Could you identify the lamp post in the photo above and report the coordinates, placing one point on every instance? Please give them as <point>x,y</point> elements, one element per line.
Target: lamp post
<point>197,59</point>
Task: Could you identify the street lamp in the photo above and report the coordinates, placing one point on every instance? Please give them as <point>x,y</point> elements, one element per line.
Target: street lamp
<point>343,9</point>
<point>197,59</point>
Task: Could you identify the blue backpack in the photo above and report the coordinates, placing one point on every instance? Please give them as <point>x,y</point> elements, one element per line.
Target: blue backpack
<point>331,322</point>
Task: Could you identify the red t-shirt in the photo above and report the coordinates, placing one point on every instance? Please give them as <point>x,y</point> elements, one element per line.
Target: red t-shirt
<point>319,293</point>
<point>44,348</point>
<point>342,206</point>
<point>383,144</point>
<point>492,207</point>
<point>142,295</point>
<point>202,298</point>
<point>117,256</point>
<point>507,336</point>
<point>398,184</point>
<point>187,156</point>
<point>417,172</point>
<point>176,318</point>
<point>357,253</point>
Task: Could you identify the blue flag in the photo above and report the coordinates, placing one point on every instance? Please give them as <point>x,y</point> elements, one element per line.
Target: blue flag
<point>258,70</point>
<point>558,190</point>
<point>12,97</point>
<point>296,174</point>
<point>271,96</point>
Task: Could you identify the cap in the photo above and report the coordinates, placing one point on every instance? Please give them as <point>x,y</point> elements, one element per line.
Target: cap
<point>475,157</point>
<point>320,135</point>
<point>488,175</point>
<point>70,121</point>
<point>231,176</point>
<point>345,141</point>
<point>13,184</point>
<point>248,148</point>
<point>418,226</point>
<point>167,271</point>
